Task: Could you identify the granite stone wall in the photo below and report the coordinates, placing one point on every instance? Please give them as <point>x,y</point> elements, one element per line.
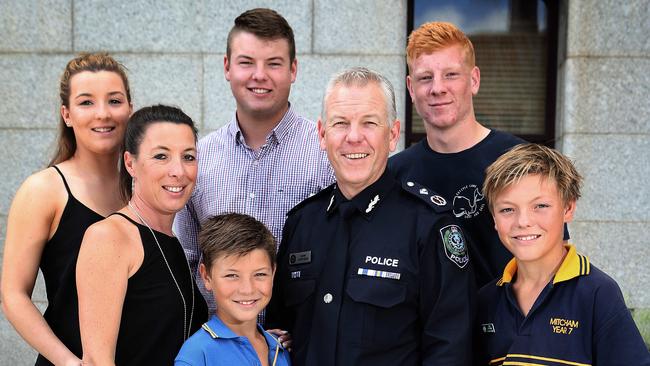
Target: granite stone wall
<point>174,52</point>
<point>603,124</point>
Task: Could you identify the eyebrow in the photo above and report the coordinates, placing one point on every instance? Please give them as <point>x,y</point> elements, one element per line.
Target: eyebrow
<point>90,95</point>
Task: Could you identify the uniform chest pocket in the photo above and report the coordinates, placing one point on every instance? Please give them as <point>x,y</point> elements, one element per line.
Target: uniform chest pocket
<point>383,293</point>
<point>297,292</point>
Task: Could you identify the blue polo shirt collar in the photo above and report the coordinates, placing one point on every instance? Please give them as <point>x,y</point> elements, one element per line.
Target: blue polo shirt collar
<point>217,329</point>
<point>572,266</point>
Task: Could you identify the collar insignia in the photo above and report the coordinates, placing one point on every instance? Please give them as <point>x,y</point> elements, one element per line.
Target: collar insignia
<point>330,205</point>
<point>438,200</point>
<point>424,191</point>
<point>372,204</point>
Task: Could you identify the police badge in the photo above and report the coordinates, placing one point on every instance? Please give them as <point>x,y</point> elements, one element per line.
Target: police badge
<point>455,248</point>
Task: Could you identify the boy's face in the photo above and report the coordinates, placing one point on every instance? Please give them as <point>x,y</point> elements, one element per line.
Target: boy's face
<point>529,217</point>
<point>241,285</point>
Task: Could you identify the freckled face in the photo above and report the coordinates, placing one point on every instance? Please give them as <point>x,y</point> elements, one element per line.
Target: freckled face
<point>441,85</point>
<point>529,217</point>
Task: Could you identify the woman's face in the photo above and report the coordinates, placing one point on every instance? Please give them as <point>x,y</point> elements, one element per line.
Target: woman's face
<point>165,168</point>
<point>98,111</point>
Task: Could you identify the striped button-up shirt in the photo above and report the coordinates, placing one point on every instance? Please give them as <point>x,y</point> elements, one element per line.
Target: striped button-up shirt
<point>264,184</point>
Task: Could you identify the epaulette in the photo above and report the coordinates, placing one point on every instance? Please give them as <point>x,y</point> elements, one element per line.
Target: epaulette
<point>439,203</point>
<point>325,191</point>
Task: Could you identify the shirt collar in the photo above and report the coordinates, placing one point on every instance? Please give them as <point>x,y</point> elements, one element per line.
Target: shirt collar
<point>278,134</point>
<point>217,329</point>
<point>367,200</point>
<point>572,266</point>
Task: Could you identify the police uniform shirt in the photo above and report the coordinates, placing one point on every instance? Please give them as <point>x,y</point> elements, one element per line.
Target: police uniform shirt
<point>382,279</point>
<point>579,319</point>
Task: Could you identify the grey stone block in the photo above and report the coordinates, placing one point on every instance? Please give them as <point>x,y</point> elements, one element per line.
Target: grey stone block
<point>13,349</point>
<point>35,25</point>
<point>219,104</point>
<point>29,96</point>
<point>24,152</point>
<point>360,26</point>
<point>173,26</point>
<point>138,26</point>
<point>219,16</point>
<point>615,169</point>
<point>315,71</point>
<point>605,95</point>
<point>608,28</point>
<point>168,79</point>
<point>621,250</point>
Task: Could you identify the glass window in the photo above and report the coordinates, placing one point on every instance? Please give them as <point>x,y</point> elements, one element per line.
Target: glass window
<point>513,43</point>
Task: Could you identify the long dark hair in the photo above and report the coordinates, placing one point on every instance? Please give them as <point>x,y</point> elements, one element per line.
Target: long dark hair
<point>135,130</point>
<point>94,62</point>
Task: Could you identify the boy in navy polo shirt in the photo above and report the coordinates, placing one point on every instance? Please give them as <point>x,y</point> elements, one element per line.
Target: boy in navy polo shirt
<point>238,267</point>
<point>551,307</point>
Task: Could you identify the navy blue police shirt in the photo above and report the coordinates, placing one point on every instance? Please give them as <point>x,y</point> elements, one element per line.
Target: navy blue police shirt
<point>382,279</point>
<point>579,319</point>
<point>459,178</point>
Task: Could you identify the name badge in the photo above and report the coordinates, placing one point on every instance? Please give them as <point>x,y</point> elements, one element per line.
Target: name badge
<point>300,257</point>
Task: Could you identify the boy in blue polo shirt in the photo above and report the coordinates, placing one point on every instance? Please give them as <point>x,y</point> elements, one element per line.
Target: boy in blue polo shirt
<point>552,306</point>
<point>238,267</point>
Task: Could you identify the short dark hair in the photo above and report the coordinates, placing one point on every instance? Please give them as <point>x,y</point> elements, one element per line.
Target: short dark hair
<point>234,234</point>
<point>263,23</point>
<point>135,130</point>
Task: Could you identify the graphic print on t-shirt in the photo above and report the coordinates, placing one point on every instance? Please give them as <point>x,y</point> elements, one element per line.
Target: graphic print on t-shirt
<point>468,202</point>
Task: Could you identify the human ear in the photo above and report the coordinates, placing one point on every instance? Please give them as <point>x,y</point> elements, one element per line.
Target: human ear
<point>205,276</point>
<point>569,210</point>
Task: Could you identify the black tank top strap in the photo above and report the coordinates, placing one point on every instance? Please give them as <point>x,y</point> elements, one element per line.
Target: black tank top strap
<point>65,183</point>
<point>126,217</point>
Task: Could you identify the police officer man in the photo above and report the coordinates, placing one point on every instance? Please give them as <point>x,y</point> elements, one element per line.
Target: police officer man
<point>371,271</point>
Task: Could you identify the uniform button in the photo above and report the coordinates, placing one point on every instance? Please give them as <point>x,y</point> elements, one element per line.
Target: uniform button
<point>328,298</point>
<point>251,195</point>
<point>410,184</point>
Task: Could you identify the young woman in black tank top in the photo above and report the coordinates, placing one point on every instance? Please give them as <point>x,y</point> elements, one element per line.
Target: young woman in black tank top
<point>53,207</point>
<point>137,298</point>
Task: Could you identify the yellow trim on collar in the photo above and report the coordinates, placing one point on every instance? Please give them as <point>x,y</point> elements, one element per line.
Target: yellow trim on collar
<point>508,272</point>
<point>210,331</point>
<point>572,266</point>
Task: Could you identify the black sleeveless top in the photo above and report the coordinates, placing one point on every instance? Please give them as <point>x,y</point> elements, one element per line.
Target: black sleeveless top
<point>151,328</point>
<point>58,264</point>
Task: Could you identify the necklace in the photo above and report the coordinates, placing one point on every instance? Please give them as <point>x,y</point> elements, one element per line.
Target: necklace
<point>186,327</point>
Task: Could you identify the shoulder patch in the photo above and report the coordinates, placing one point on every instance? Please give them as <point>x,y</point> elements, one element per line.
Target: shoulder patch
<point>455,245</point>
<point>325,191</point>
<point>439,203</point>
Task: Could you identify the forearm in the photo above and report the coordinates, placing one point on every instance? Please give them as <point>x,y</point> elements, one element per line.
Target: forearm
<point>25,317</point>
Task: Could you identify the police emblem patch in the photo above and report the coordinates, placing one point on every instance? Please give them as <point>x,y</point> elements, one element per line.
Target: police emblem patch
<point>455,247</point>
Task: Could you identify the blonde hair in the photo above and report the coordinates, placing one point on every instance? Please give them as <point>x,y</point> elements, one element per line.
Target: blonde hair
<point>434,36</point>
<point>532,159</point>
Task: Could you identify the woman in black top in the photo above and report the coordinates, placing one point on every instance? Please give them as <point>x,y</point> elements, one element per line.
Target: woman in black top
<point>53,207</point>
<point>137,298</point>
